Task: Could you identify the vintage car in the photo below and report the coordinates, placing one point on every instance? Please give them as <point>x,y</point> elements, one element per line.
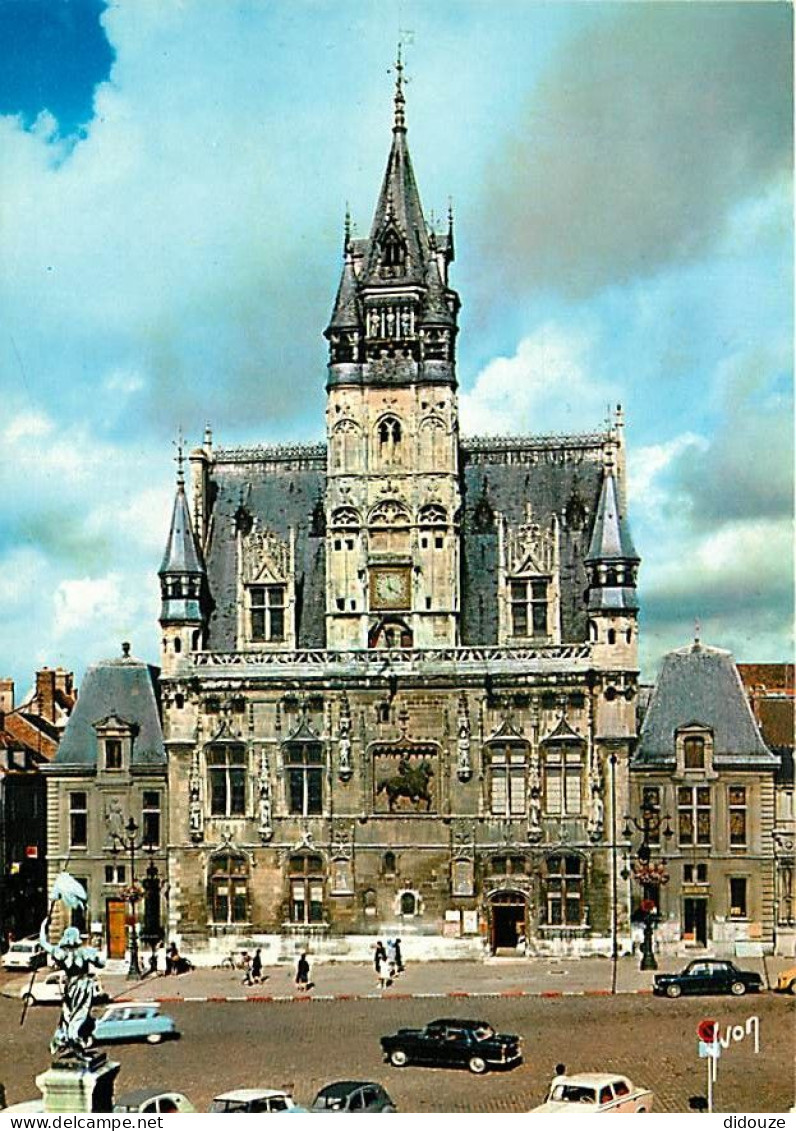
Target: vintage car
<point>50,991</point>
<point>454,1043</point>
<point>593,1092</point>
<point>786,981</point>
<point>154,1101</point>
<point>352,1096</point>
<point>253,1101</point>
<point>708,976</point>
<point>26,954</point>
<point>135,1021</point>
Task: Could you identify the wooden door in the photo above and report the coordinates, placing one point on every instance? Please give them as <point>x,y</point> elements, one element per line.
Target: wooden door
<point>116,926</point>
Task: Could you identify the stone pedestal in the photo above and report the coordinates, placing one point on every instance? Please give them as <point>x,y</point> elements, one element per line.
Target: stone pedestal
<point>79,1088</point>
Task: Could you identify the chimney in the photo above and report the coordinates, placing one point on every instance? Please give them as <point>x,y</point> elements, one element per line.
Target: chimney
<point>65,694</point>
<point>6,695</point>
<point>45,694</point>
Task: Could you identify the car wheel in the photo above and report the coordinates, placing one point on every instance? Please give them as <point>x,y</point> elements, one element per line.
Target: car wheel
<point>388,1108</point>
<point>398,1058</point>
<point>738,989</point>
<point>673,990</point>
<point>154,1038</point>
<point>792,988</point>
<point>477,1065</point>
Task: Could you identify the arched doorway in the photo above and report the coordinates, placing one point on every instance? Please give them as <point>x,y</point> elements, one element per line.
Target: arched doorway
<point>508,920</point>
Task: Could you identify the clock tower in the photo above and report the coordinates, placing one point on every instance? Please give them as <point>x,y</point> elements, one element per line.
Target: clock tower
<point>392,495</point>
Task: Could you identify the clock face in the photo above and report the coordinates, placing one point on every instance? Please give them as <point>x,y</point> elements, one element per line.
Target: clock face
<point>389,589</point>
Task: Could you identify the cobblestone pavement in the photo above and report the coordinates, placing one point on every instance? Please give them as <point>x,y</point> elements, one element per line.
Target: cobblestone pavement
<point>274,1043</point>
<point>351,979</point>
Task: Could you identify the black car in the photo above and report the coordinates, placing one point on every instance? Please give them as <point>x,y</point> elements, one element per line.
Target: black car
<point>708,976</point>
<point>352,1096</point>
<point>454,1043</point>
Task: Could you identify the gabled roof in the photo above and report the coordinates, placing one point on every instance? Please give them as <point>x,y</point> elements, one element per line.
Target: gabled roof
<point>610,540</point>
<point>182,553</point>
<point>702,684</point>
<point>126,688</point>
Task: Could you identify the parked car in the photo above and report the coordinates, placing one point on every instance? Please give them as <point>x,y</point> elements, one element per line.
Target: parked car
<point>786,982</point>
<point>25,1105</point>
<point>453,1042</point>
<point>135,1021</point>
<point>154,1101</point>
<point>250,1101</point>
<point>352,1096</point>
<point>26,954</point>
<point>587,1093</point>
<point>50,991</point>
<point>708,976</point>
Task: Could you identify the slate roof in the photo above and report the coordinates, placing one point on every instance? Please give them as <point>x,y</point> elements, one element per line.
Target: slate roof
<point>610,540</point>
<point>126,688</point>
<point>282,487</point>
<point>399,205</point>
<point>181,554</point>
<point>701,685</point>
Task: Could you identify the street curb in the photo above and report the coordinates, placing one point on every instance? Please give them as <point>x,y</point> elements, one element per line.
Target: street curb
<point>453,995</point>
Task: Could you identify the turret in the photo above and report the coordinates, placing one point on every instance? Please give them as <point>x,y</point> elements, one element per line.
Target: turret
<point>182,584</point>
<point>612,569</point>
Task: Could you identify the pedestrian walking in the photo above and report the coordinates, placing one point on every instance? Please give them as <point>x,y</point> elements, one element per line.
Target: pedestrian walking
<point>303,974</point>
<point>247,968</point>
<point>392,965</point>
<point>257,967</point>
<point>381,965</point>
<point>399,958</point>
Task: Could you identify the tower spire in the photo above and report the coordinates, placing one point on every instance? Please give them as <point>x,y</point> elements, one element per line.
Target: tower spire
<point>399,121</point>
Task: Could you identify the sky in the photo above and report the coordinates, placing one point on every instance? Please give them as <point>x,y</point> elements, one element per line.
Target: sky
<point>174,176</point>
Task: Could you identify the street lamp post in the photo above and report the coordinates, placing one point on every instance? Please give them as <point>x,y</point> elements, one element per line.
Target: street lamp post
<point>651,874</point>
<point>130,844</point>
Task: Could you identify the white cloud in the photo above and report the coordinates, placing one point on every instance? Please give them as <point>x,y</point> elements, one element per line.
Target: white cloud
<point>647,467</point>
<point>27,426</point>
<point>546,386</point>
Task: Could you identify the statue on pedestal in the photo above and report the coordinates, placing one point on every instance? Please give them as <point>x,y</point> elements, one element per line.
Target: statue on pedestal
<point>72,1039</point>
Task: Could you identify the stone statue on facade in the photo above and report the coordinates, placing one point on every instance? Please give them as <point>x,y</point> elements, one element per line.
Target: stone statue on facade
<point>73,1036</point>
<point>265,826</point>
<point>114,821</point>
<point>344,766</point>
<point>464,768</point>
<point>195,821</point>
<point>535,800</point>
<point>596,821</point>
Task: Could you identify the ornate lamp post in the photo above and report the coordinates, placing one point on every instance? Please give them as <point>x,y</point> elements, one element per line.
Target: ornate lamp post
<point>651,874</point>
<point>152,933</point>
<point>130,844</point>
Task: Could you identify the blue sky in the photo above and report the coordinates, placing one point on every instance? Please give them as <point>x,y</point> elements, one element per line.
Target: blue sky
<point>173,180</point>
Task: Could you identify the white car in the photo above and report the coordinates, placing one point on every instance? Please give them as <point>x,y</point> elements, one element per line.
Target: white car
<point>50,991</point>
<point>27,954</point>
<point>154,1101</point>
<point>592,1093</point>
<point>248,1101</point>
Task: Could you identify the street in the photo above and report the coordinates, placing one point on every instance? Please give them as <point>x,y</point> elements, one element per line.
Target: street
<point>307,1044</point>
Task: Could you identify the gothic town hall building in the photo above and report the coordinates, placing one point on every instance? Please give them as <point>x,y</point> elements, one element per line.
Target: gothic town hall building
<point>399,668</point>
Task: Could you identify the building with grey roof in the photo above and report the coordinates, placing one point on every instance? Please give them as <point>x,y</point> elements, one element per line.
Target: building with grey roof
<point>701,767</point>
<point>110,769</point>
<point>400,666</point>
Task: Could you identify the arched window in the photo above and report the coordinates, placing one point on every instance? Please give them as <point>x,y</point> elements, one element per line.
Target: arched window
<point>408,904</point>
<point>508,865</point>
<point>389,435</point>
<point>563,883</point>
<point>390,632</point>
<point>346,446</point>
<point>229,888</point>
<point>306,888</point>
<point>389,864</point>
<point>432,437</point>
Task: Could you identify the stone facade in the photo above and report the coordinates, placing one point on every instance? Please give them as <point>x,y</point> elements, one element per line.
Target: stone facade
<point>400,667</point>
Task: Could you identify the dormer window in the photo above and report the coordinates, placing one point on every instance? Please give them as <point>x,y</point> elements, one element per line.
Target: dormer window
<point>393,250</point>
<point>267,614</point>
<point>694,750</point>
<point>694,753</point>
<point>113,754</point>
<point>529,607</point>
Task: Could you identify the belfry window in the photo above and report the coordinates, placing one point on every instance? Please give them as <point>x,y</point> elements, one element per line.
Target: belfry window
<point>529,607</point>
<point>389,434</point>
<point>267,614</point>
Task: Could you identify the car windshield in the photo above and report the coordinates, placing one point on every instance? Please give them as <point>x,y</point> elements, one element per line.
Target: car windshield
<point>230,1105</point>
<point>329,1103</point>
<point>573,1094</point>
<point>484,1033</point>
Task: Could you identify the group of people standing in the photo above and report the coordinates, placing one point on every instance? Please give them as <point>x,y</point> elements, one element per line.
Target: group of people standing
<point>387,961</point>
<point>253,965</point>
